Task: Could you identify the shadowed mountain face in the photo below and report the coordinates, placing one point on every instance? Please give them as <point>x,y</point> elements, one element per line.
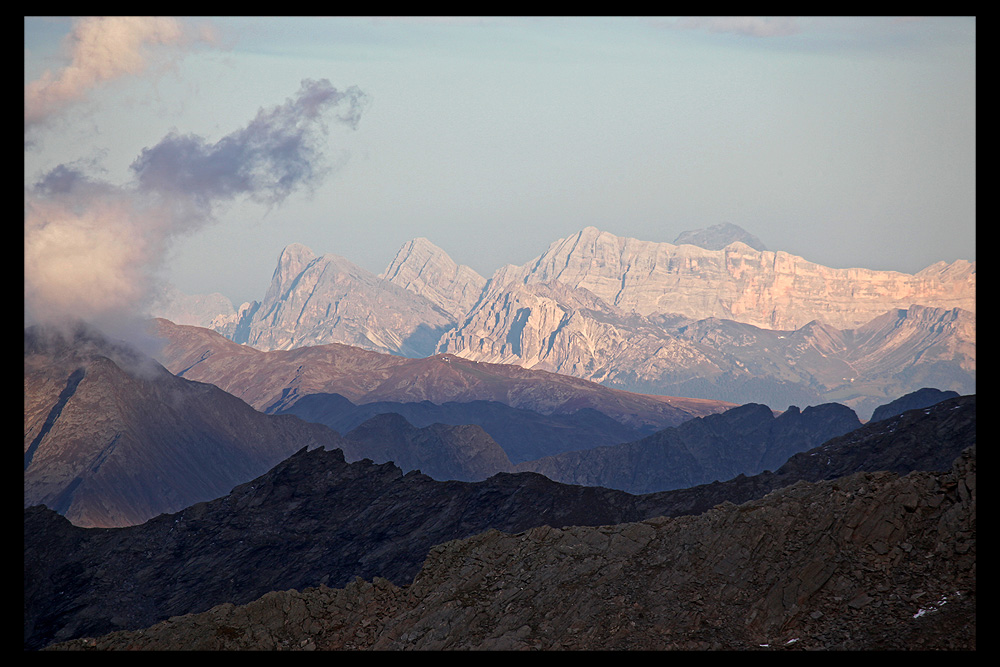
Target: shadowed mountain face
<point>743,441</point>
<point>316,519</point>
<point>922,398</point>
<point>523,434</point>
<point>443,451</point>
<point>111,438</point>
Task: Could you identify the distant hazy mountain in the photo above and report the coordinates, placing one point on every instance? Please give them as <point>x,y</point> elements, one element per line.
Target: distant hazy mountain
<point>717,237</point>
<point>746,440</point>
<point>200,310</point>
<point>112,439</point>
<point>463,452</point>
<point>523,434</point>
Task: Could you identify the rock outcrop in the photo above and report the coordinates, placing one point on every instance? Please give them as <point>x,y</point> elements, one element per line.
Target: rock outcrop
<point>872,561</point>
<point>111,438</point>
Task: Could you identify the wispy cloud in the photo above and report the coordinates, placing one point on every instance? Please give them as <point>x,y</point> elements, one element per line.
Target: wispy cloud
<point>101,49</point>
<point>753,26</point>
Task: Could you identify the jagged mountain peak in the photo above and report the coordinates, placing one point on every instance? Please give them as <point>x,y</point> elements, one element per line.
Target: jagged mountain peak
<point>425,269</point>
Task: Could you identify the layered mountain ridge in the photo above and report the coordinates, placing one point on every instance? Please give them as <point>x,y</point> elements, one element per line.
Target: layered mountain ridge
<point>315,520</point>
<point>646,316</point>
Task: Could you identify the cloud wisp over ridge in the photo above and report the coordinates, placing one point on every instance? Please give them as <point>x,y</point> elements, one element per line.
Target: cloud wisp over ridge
<point>93,249</point>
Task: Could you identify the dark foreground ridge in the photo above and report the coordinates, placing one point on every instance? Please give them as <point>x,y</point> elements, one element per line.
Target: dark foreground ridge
<point>316,520</point>
<point>872,561</point>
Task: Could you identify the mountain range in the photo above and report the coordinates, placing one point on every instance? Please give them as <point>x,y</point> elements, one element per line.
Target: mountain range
<point>722,320</point>
<point>827,559</point>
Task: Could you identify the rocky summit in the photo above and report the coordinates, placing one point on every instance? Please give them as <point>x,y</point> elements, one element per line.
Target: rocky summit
<point>872,561</point>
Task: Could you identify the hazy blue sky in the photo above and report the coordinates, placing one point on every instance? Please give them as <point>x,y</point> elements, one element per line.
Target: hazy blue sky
<point>847,141</point>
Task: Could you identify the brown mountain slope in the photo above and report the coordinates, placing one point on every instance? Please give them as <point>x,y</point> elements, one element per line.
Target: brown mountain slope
<point>275,379</point>
<point>112,439</point>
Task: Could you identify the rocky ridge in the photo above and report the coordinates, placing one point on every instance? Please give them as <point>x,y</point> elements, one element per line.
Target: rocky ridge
<point>771,290</point>
<point>872,561</point>
<point>423,268</point>
<point>567,330</point>
<point>315,519</point>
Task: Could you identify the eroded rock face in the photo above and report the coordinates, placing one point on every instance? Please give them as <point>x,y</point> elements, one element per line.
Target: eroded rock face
<point>772,290</point>
<point>427,270</point>
<point>569,330</point>
<point>443,451</point>
<point>872,561</point>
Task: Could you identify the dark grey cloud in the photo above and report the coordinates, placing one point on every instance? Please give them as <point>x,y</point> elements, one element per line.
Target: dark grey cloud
<point>93,249</point>
<point>279,151</point>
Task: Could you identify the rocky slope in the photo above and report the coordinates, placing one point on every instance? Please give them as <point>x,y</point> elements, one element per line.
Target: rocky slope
<point>111,438</point>
<point>316,519</point>
<point>742,441</point>
<point>274,380</point>
<point>872,561</point>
